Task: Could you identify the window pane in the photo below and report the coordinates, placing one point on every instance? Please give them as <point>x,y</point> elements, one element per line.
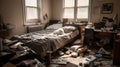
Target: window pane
<point>69,13</point>
<point>31,3</point>
<point>82,2</point>
<point>82,13</point>
<point>69,3</point>
<point>32,13</point>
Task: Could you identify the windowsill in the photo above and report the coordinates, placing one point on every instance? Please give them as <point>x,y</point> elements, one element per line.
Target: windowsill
<point>35,25</point>
<point>31,24</point>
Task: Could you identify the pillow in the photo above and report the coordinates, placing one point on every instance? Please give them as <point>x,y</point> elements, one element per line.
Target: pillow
<point>68,29</point>
<point>59,31</point>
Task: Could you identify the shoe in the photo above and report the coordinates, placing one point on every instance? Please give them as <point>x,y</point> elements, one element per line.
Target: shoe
<point>68,52</point>
<point>61,53</point>
<point>74,54</point>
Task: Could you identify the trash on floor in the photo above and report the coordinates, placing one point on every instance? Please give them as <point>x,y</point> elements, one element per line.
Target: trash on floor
<point>58,61</point>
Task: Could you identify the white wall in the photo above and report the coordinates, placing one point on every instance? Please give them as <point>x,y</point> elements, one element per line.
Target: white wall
<point>11,10</point>
<point>47,8</point>
<point>96,9</point>
<point>57,9</point>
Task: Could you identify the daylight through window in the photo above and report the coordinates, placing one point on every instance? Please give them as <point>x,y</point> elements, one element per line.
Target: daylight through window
<point>76,9</point>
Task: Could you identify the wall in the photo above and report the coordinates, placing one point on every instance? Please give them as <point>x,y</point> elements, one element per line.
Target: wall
<point>11,10</point>
<point>47,8</point>
<point>56,9</point>
<point>118,9</point>
<point>96,16</point>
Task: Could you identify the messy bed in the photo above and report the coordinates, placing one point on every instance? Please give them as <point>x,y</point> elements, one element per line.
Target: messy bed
<point>48,39</point>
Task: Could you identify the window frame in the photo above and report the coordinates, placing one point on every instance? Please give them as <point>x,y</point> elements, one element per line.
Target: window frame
<point>32,21</point>
<point>76,12</point>
<point>82,7</point>
<point>68,8</point>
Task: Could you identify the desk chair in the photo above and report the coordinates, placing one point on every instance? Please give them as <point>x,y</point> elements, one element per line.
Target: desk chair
<point>88,37</point>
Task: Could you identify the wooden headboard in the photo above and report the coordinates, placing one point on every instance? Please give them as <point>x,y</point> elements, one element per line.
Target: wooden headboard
<point>65,20</point>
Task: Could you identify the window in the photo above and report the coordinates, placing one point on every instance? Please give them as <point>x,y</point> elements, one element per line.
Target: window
<point>69,8</point>
<point>76,9</point>
<point>32,11</point>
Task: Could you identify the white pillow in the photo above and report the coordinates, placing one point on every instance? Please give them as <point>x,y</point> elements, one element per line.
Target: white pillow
<point>59,31</point>
<point>68,29</point>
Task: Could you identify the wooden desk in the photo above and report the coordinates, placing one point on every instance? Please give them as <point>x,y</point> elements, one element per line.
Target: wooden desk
<point>103,37</point>
<point>105,33</point>
<point>115,43</point>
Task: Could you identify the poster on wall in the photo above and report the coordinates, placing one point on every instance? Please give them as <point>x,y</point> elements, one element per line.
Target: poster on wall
<point>107,8</point>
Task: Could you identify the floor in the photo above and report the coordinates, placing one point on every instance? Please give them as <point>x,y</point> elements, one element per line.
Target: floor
<point>90,59</point>
<point>79,56</point>
<point>68,61</point>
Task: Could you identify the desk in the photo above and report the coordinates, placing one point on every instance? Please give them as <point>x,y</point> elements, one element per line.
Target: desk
<point>103,37</point>
<point>115,43</point>
<point>105,33</point>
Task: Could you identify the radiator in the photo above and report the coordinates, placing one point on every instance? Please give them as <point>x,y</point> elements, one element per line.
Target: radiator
<point>33,28</point>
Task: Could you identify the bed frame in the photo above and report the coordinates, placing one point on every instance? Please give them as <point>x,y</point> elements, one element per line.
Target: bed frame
<point>67,43</point>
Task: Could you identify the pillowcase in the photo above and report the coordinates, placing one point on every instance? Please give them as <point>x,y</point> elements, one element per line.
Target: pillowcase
<point>68,29</point>
<point>59,31</point>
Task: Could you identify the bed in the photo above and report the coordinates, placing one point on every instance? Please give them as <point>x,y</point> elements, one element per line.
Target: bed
<point>52,38</point>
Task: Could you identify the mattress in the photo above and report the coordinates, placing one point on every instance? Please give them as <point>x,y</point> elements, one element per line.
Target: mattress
<point>55,26</point>
<point>49,39</point>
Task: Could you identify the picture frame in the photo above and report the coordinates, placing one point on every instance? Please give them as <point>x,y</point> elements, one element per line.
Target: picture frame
<point>107,8</point>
